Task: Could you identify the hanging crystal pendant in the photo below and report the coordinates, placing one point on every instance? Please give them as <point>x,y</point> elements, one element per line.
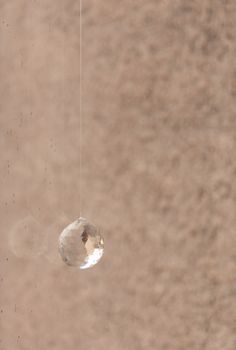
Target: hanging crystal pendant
<point>80,244</point>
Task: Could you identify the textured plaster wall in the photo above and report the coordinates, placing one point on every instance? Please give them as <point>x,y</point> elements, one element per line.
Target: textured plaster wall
<point>158,173</point>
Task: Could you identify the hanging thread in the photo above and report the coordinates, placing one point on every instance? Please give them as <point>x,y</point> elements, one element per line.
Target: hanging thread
<point>80,106</point>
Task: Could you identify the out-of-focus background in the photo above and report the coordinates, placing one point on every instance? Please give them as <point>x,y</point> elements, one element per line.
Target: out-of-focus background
<point>158,173</point>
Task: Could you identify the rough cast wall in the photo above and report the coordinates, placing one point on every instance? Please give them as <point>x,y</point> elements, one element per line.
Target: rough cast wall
<point>158,173</point>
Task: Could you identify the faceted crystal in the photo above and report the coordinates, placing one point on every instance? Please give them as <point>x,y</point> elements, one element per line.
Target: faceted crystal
<point>80,244</point>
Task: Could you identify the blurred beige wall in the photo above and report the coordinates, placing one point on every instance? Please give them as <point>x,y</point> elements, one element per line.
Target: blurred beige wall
<point>158,173</point>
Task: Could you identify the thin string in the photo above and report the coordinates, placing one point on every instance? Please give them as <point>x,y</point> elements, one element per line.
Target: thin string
<point>80,107</point>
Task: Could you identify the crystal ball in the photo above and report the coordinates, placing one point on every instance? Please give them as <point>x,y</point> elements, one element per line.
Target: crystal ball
<point>81,244</point>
